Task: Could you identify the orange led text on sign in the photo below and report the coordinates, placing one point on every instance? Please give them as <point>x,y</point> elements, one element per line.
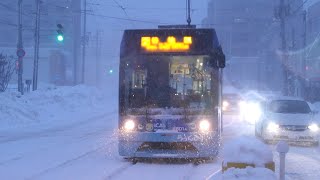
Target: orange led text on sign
<point>153,44</point>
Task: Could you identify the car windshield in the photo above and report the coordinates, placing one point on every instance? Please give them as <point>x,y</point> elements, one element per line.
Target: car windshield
<point>289,107</point>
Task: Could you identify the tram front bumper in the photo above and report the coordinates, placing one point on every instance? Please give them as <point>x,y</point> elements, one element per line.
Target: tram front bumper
<point>169,145</point>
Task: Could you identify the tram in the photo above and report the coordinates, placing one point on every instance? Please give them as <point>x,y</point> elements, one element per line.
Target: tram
<point>170,93</point>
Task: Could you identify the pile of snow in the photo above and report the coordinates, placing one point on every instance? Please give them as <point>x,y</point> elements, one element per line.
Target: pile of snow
<point>249,173</point>
<point>49,103</point>
<point>247,149</point>
<point>316,106</point>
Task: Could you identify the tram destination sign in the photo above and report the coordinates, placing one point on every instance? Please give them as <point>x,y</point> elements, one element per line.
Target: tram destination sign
<point>171,44</point>
<point>169,41</point>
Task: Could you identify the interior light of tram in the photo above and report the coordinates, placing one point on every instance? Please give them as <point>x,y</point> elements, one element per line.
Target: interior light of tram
<point>153,44</point>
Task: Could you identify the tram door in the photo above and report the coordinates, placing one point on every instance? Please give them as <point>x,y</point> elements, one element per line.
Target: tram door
<point>158,89</point>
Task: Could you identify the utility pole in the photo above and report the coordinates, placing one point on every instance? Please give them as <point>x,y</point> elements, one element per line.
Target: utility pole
<point>36,48</point>
<point>98,55</point>
<point>20,50</point>
<point>283,12</point>
<point>304,58</point>
<point>293,88</point>
<point>188,13</point>
<point>84,41</point>
<point>76,7</point>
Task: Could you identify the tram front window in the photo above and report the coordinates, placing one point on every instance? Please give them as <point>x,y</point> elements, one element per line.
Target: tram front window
<point>169,82</point>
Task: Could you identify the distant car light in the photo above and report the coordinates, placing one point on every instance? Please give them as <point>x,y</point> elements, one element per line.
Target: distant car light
<point>204,126</point>
<point>272,127</point>
<point>313,127</point>
<point>250,111</point>
<point>225,103</point>
<point>129,125</point>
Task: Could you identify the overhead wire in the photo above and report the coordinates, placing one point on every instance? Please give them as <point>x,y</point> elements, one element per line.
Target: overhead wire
<point>13,9</point>
<point>8,23</point>
<point>123,9</point>
<point>124,19</point>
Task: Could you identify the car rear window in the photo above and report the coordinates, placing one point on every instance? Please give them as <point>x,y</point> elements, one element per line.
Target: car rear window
<point>289,106</point>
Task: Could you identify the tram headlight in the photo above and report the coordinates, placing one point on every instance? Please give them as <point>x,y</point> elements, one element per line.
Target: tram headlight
<point>313,127</point>
<point>129,125</point>
<point>204,126</point>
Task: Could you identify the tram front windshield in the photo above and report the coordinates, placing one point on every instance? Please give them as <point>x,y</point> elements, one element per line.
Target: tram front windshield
<point>168,82</point>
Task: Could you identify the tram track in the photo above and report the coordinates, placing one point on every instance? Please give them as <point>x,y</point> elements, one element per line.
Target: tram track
<point>74,139</point>
<point>119,171</point>
<point>25,155</point>
<point>64,164</point>
<point>52,131</point>
<point>68,162</point>
<point>212,174</point>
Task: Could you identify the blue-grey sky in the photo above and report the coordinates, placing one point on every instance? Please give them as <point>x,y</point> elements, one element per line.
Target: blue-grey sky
<point>143,14</point>
<point>153,11</point>
<point>109,15</point>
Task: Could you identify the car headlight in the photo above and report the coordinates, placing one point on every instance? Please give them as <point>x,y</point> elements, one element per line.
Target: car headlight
<point>204,126</point>
<point>242,104</point>
<point>313,127</point>
<point>129,125</point>
<point>272,127</point>
<point>251,111</point>
<point>225,103</point>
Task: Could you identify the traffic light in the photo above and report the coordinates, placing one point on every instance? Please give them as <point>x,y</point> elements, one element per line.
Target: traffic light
<point>60,36</point>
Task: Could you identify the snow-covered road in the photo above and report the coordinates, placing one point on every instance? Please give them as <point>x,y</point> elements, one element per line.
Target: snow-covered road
<point>88,150</point>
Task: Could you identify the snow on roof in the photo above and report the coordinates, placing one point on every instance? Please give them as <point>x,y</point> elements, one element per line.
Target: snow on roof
<point>247,149</point>
<point>249,173</point>
<point>272,98</point>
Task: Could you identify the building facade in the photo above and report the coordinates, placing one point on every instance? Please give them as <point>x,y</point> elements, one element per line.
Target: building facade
<point>58,61</point>
<point>312,52</point>
<point>250,36</point>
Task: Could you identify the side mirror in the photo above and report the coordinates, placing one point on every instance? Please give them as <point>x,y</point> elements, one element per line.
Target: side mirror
<point>315,112</point>
<point>217,59</point>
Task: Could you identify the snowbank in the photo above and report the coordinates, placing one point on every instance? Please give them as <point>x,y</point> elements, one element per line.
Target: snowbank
<point>316,106</point>
<point>49,103</point>
<point>247,149</point>
<point>249,173</point>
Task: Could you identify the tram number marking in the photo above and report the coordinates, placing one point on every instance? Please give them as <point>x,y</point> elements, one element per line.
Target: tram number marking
<point>194,137</point>
<point>180,129</point>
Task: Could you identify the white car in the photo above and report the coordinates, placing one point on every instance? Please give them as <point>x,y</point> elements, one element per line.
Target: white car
<point>287,119</point>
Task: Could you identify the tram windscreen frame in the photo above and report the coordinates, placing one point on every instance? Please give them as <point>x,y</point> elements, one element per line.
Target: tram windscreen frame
<point>166,81</point>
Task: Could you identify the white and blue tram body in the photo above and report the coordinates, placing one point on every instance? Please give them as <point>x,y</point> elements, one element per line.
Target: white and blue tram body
<point>170,93</point>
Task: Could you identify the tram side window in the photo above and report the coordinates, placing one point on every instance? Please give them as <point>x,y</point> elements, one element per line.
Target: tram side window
<point>138,79</point>
<point>137,92</point>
